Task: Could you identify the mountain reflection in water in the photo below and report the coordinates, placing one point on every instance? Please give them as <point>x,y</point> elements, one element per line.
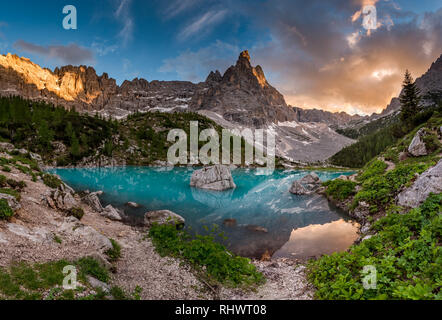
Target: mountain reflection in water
<point>262,214</point>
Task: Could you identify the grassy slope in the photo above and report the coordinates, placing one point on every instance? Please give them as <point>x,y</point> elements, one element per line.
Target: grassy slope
<point>406,246</point>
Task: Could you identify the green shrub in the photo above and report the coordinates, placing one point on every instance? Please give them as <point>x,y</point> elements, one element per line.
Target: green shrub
<point>5,210</point>
<point>340,189</point>
<point>2,180</point>
<point>76,212</point>
<point>206,255</point>
<point>374,168</point>
<point>115,253</point>
<point>406,253</point>
<point>6,169</point>
<point>431,143</point>
<point>20,185</point>
<point>90,266</point>
<point>11,192</point>
<point>51,181</point>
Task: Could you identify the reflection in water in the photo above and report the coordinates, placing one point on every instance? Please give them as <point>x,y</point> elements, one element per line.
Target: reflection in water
<point>262,201</point>
<point>316,240</point>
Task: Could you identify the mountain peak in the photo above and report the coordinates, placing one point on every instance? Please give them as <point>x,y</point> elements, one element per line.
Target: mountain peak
<point>244,55</point>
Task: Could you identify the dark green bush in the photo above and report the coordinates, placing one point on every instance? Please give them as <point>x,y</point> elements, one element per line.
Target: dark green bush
<point>51,181</point>
<point>340,189</point>
<point>5,210</point>
<point>76,212</point>
<point>115,253</point>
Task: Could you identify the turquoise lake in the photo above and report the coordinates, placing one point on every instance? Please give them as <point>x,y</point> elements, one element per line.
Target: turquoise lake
<point>297,226</point>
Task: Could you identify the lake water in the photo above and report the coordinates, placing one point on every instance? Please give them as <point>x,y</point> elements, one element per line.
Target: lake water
<point>297,226</point>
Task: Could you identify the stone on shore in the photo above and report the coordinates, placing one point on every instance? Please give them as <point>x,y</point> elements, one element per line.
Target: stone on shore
<point>162,217</point>
<point>216,178</point>
<point>94,202</point>
<point>111,213</point>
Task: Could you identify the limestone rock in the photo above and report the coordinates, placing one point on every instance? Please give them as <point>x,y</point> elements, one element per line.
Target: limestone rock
<point>163,217</point>
<point>93,237</point>
<point>417,147</point>
<point>217,178</point>
<point>428,182</point>
<point>97,284</point>
<point>93,201</point>
<point>307,185</point>
<point>111,213</point>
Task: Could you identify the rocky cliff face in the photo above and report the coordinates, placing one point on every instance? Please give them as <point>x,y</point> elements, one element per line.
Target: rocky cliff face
<point>338,119</point>
<point>241,98</point>
<point>243,95</point>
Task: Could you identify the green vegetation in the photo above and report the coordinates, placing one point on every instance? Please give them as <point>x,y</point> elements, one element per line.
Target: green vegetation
<point>410,99</point>
<point>206,256</point>
<point>76,212</point>
<point>115,253</point>
<point>406,252</point>
<point>69,137</point>
<point>23,281</point>
<point>5,210</point>
<point>51,181</point>
<point>340,189</point>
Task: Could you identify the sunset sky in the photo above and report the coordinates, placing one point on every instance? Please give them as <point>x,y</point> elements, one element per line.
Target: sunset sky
<point>316,52</point>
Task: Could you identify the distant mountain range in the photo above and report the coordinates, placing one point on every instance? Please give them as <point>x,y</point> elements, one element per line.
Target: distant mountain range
<point>241,98</point>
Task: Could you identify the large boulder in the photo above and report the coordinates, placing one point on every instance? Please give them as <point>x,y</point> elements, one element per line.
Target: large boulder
<point>92,237</point>
<point>217,178</point>
<point>163,217</point>
<point>93,201</point>
<point>307,185</point>
<point>62,198</point>
<point>428,182</point>
<point>417,146</point>
<point>111,213</point>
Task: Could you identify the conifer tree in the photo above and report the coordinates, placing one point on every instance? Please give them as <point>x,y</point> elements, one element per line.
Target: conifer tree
<point>410,98</point>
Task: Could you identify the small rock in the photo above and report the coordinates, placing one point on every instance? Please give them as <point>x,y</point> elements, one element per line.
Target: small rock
<point>307,185</point>
<point>163,217</point>
<point>298,189</point>
<point>93,201</point>
<point>111,213</point>
<point>97,284</point>
<point>133,205</point>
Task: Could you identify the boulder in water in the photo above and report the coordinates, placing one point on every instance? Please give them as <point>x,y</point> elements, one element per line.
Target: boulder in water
<point>307,185</point>
<point>216,178</point>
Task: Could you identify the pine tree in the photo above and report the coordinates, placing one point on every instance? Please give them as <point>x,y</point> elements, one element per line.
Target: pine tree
<point>410,98</point>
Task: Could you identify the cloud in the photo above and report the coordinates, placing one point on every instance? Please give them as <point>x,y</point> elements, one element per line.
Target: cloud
<point>203,24</point>
<point>70,54</point>
<point>103,48</point>
<point>196,65</point>
<point>123,15</point>
<point>178,7</point>
<point>318,58</point>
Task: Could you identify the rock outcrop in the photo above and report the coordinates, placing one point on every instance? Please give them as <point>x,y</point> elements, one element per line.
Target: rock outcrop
<point>428,182</point>
<point>417,147</point>
<point>93,201</point>
<point>62,198</point>
<point>111,213</point>
<point>307,185</point>
<point>216,178</point>
<point>162,217</point>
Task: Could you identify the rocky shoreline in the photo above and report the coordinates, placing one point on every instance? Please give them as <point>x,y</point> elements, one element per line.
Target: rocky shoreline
<point>43,230</point>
